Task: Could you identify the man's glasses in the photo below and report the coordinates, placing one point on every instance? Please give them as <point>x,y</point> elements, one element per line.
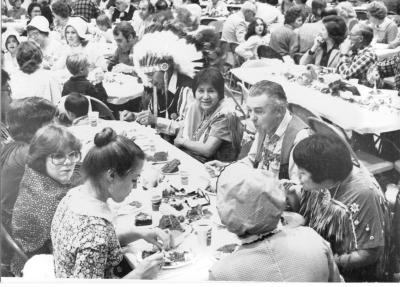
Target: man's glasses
<point>60,158</point>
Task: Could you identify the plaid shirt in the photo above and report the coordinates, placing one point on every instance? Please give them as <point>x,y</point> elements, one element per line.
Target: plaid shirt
<point>86,9</point>
<point>357,66</point>
<point>390,67</point>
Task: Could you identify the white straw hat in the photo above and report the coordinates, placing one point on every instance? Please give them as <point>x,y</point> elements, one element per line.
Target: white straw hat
<point>40,23</point>
<point>79,25</point>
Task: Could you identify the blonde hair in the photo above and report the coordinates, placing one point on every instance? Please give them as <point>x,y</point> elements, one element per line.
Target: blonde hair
<point>76,63</point>
<point>346,10</point>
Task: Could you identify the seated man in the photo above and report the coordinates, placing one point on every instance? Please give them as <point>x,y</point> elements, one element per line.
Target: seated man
<point>235,27</point>
<point>357,55</point>
<point>142,17</point>
<point>125,37</point>
<point>284,39</point>
<point>277,131</point>
<point>124,11</point>
<point>345,204</point>
<point>250,204</point>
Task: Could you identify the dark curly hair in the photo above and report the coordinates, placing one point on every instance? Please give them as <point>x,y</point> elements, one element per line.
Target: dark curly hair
<point>324,157</point>
<point>336,27</point>
<point>292,14</point>
<point>60,8</point>
<point>29,57</point>
<point>251,30</point>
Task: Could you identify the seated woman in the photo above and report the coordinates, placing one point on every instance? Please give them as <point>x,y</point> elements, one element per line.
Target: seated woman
<point>85,242</point>
<point>37,82</point>
<point>53,154</point>
<point>250,204</point>
<point>254,37</point>
<point>325,52</point>
<point>344,204</point>
<point>210,131</point>
<point>10,42</point>
<point>24,117</point>
<point>385,29</point>
<point>78,41</point>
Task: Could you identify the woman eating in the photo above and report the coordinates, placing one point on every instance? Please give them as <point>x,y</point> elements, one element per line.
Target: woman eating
<point>85,242</point>
<point>53,154</point>
<point>325,52</point>
<point>210,131</point>
<point>254,37</point>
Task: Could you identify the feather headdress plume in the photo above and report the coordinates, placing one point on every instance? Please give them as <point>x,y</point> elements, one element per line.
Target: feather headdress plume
<point>157,51</point>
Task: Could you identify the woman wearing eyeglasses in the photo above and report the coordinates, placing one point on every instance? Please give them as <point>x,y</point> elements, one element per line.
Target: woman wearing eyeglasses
<point>53,154</point>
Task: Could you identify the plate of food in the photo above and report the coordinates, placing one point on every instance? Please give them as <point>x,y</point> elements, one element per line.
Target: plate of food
<point>171,167</point>
<point>160,157</point>
<point>172,259</point>
<point>225,250</point>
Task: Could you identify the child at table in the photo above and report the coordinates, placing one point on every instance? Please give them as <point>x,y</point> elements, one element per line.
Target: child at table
<point>104,25</point>
<point>16,11</point>
<point>78,65</point>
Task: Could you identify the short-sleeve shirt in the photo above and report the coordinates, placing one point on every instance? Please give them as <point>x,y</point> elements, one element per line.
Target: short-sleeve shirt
<point>84,246</point>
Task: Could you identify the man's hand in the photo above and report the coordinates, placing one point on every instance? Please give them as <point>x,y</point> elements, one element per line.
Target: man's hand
<point>179,141</point>
<point>127,116</point>
<point>123,68</point>
<point>146,118</point>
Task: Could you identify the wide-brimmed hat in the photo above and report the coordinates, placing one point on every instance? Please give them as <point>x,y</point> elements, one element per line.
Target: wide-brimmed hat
<point>40,23</point>
<point>6,35</point>
<point>249,201</point>
<point>79,25</point>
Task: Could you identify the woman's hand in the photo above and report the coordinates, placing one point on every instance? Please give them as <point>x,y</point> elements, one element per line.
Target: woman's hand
<point>214,167</point>
<point>158,237</point>
<point>148,268</point>
<point>317,42</point>
<point>146,118</point>
<point>179,141</point>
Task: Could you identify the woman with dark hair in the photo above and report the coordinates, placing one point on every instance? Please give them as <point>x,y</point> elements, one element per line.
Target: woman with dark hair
<point>161,5</point>
<point>344,203</point>
<point>85,241</point>
<point>254,37</point>
<point>34,9</point>
<point>53,154</point>
<point>211,130</point>
<point>37,82</point>
<point>326,52</point>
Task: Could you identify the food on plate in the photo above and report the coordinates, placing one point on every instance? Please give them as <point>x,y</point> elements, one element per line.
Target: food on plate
<point>228,248</point>
<point>135,204</point>
<point>170,222</point>
<point>207,213</point>
<point>177,205</point>
<point>194,214</point>
<point>171,166</point>
<point>181,218</point>
<point>142,219</point>
<point>174,256</point>
<point>158,157</point>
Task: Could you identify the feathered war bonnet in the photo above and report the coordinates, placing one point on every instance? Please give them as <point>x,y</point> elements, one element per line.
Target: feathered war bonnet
<point>159,50</point>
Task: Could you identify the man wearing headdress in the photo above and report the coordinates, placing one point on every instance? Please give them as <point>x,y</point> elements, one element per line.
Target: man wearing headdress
<point>166,65</point>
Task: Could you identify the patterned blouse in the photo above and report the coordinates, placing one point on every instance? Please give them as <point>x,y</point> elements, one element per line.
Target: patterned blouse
<point>85,244</point>
<point>34,208</point>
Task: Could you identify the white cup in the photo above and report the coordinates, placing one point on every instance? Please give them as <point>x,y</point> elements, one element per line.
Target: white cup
<point>93,118</point>
<point>204,234</point>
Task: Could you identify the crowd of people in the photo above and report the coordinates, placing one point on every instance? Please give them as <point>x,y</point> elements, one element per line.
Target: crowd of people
<point>54,200</point>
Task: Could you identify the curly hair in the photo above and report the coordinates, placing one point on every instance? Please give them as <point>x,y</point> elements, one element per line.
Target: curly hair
<point>29,57</point>
<point>292,14</point>
<point>377,10</point>
<point>251,30</point>
<point>27,115</point>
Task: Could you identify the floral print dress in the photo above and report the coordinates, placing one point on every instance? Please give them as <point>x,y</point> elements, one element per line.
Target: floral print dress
<point>85,244</point>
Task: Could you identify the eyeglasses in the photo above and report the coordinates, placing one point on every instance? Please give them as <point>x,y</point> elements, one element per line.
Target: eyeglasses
<point>60,158</point>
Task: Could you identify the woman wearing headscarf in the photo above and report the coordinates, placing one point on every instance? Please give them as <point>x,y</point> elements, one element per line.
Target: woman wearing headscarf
<point>250,203</point>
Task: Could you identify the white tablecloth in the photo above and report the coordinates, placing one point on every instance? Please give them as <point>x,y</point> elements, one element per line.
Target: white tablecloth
<point>204,258</point>
<point>349,116</point>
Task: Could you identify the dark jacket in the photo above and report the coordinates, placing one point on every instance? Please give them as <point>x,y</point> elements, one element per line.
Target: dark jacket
<point>82,85</point>
<point>127,16</point>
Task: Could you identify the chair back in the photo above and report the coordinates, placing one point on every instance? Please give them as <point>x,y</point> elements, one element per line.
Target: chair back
<point>11,244</point>
<point>245,91</point>
<point>104,111</point>
<point>231,94</point>
<point>302,112</point>
<point>321,127</point>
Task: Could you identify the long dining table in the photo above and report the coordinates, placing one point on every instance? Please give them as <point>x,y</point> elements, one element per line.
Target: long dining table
<point>346,114</point>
